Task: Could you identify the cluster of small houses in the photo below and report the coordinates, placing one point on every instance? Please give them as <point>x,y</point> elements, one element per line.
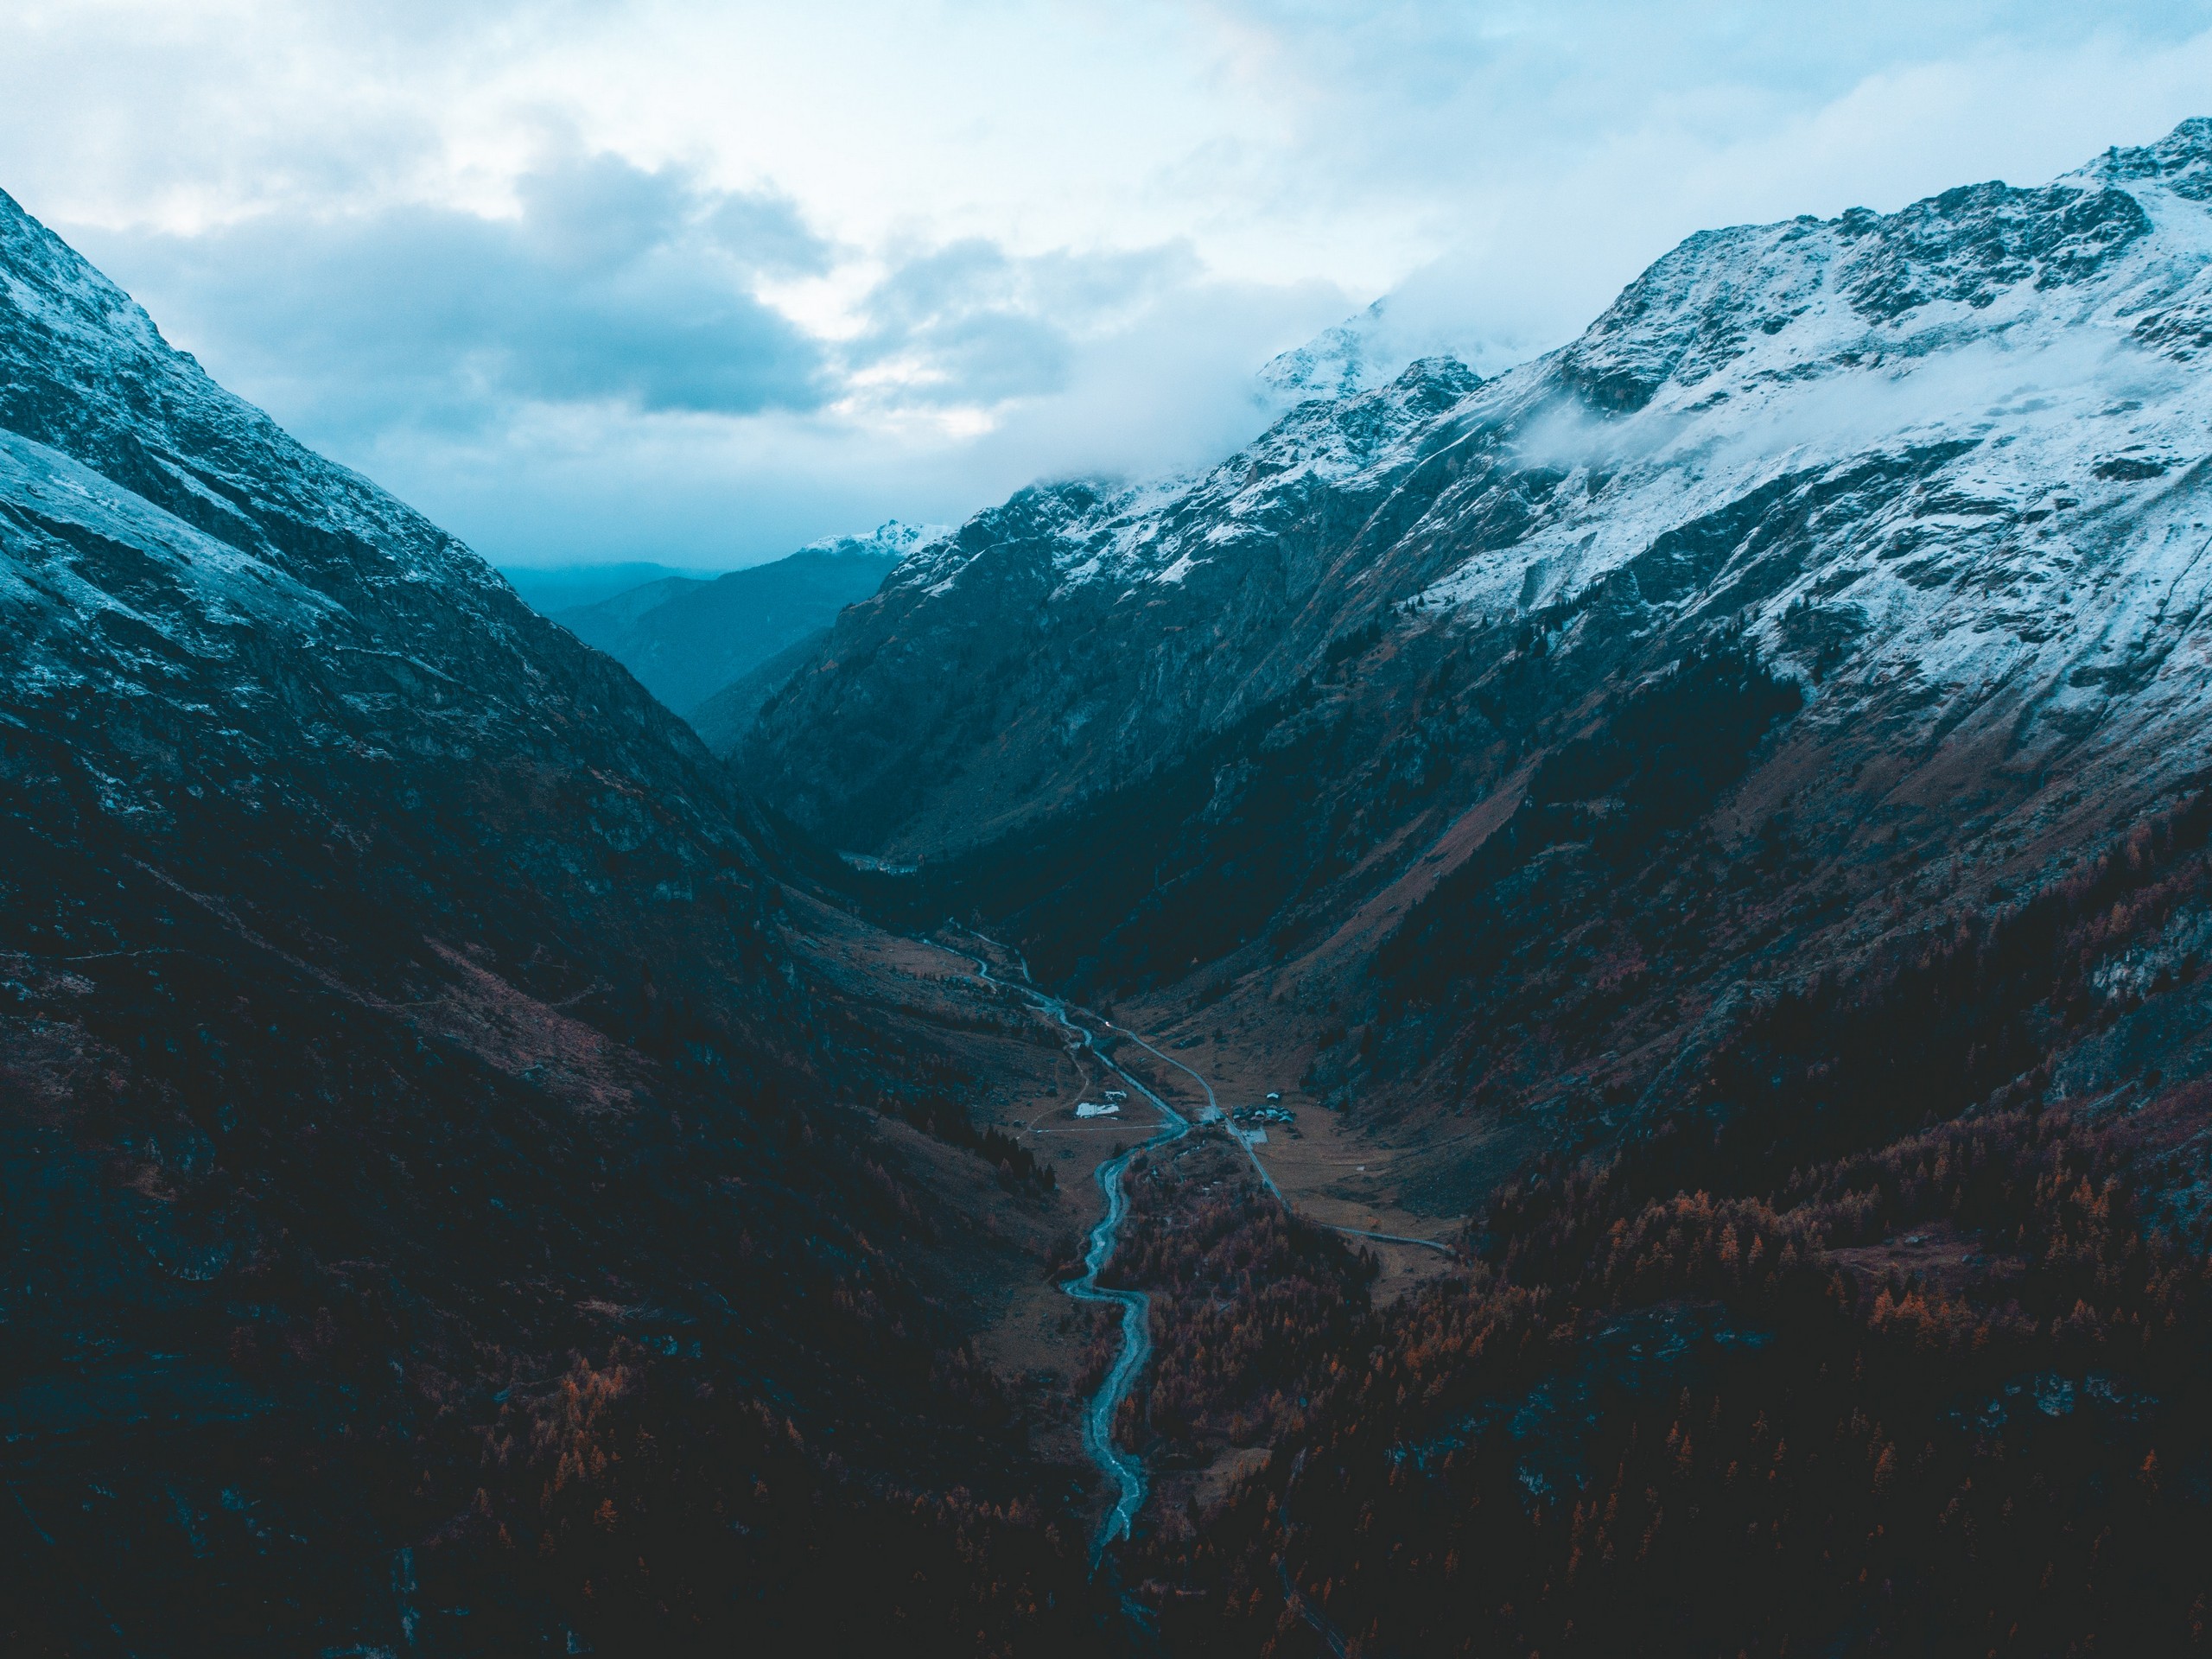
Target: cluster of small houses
<point>1274,1112</point>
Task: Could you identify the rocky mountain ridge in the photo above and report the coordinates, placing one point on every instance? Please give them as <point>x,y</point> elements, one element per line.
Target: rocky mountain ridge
<point>1092,573</point>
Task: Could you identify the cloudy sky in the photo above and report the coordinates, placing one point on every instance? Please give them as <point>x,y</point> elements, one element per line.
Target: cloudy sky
<point>695,281</point>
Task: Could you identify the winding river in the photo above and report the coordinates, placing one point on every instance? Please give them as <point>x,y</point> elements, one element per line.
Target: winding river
<point>1126,1470</point>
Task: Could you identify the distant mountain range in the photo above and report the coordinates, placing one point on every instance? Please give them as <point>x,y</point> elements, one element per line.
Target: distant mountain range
<point>569,587</point>
<point>686,637</point>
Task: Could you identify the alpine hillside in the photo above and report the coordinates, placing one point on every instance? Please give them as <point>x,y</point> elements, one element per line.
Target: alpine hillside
<point>456,1197</point>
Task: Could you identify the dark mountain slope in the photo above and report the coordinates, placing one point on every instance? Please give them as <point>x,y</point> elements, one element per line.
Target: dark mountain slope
<point>414,1094</point>
<point>723,720</point>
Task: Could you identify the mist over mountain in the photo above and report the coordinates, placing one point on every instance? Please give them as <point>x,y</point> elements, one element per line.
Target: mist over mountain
<point>1562,1008</point>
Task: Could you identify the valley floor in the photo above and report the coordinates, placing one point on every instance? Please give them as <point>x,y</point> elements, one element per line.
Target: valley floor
<point>1028,1080</point>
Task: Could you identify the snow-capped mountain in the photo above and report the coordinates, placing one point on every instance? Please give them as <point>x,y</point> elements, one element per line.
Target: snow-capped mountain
<point>223,642</point>
<point>1936,480</point>
<point>1987,404</point>
<point>109,430</point>
<point>1340,362</point>
<point>892,538</point>
<point>1371,349</point>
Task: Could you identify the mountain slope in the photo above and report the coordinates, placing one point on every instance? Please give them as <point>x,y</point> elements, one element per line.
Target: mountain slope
<point>1840,545</point>
<point>416,1091</point>
<point>724,720</point>
<point>1083,631</point>
<point>685,639</point>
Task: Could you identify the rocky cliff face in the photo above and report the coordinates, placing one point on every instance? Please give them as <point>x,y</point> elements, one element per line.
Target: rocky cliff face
<point>1861,558</point>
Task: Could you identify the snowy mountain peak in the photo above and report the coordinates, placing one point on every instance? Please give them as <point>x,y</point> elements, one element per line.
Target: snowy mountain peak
<point>47,279</point>
<point>2182,160</point>
<point>892,536</point>
<point>1912,455</point>
<point>1160,531</point>
<point>1821,294</point>
<point>1353,356</point>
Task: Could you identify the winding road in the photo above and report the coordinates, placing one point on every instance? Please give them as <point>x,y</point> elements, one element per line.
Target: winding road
<point>1331,1637</point>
